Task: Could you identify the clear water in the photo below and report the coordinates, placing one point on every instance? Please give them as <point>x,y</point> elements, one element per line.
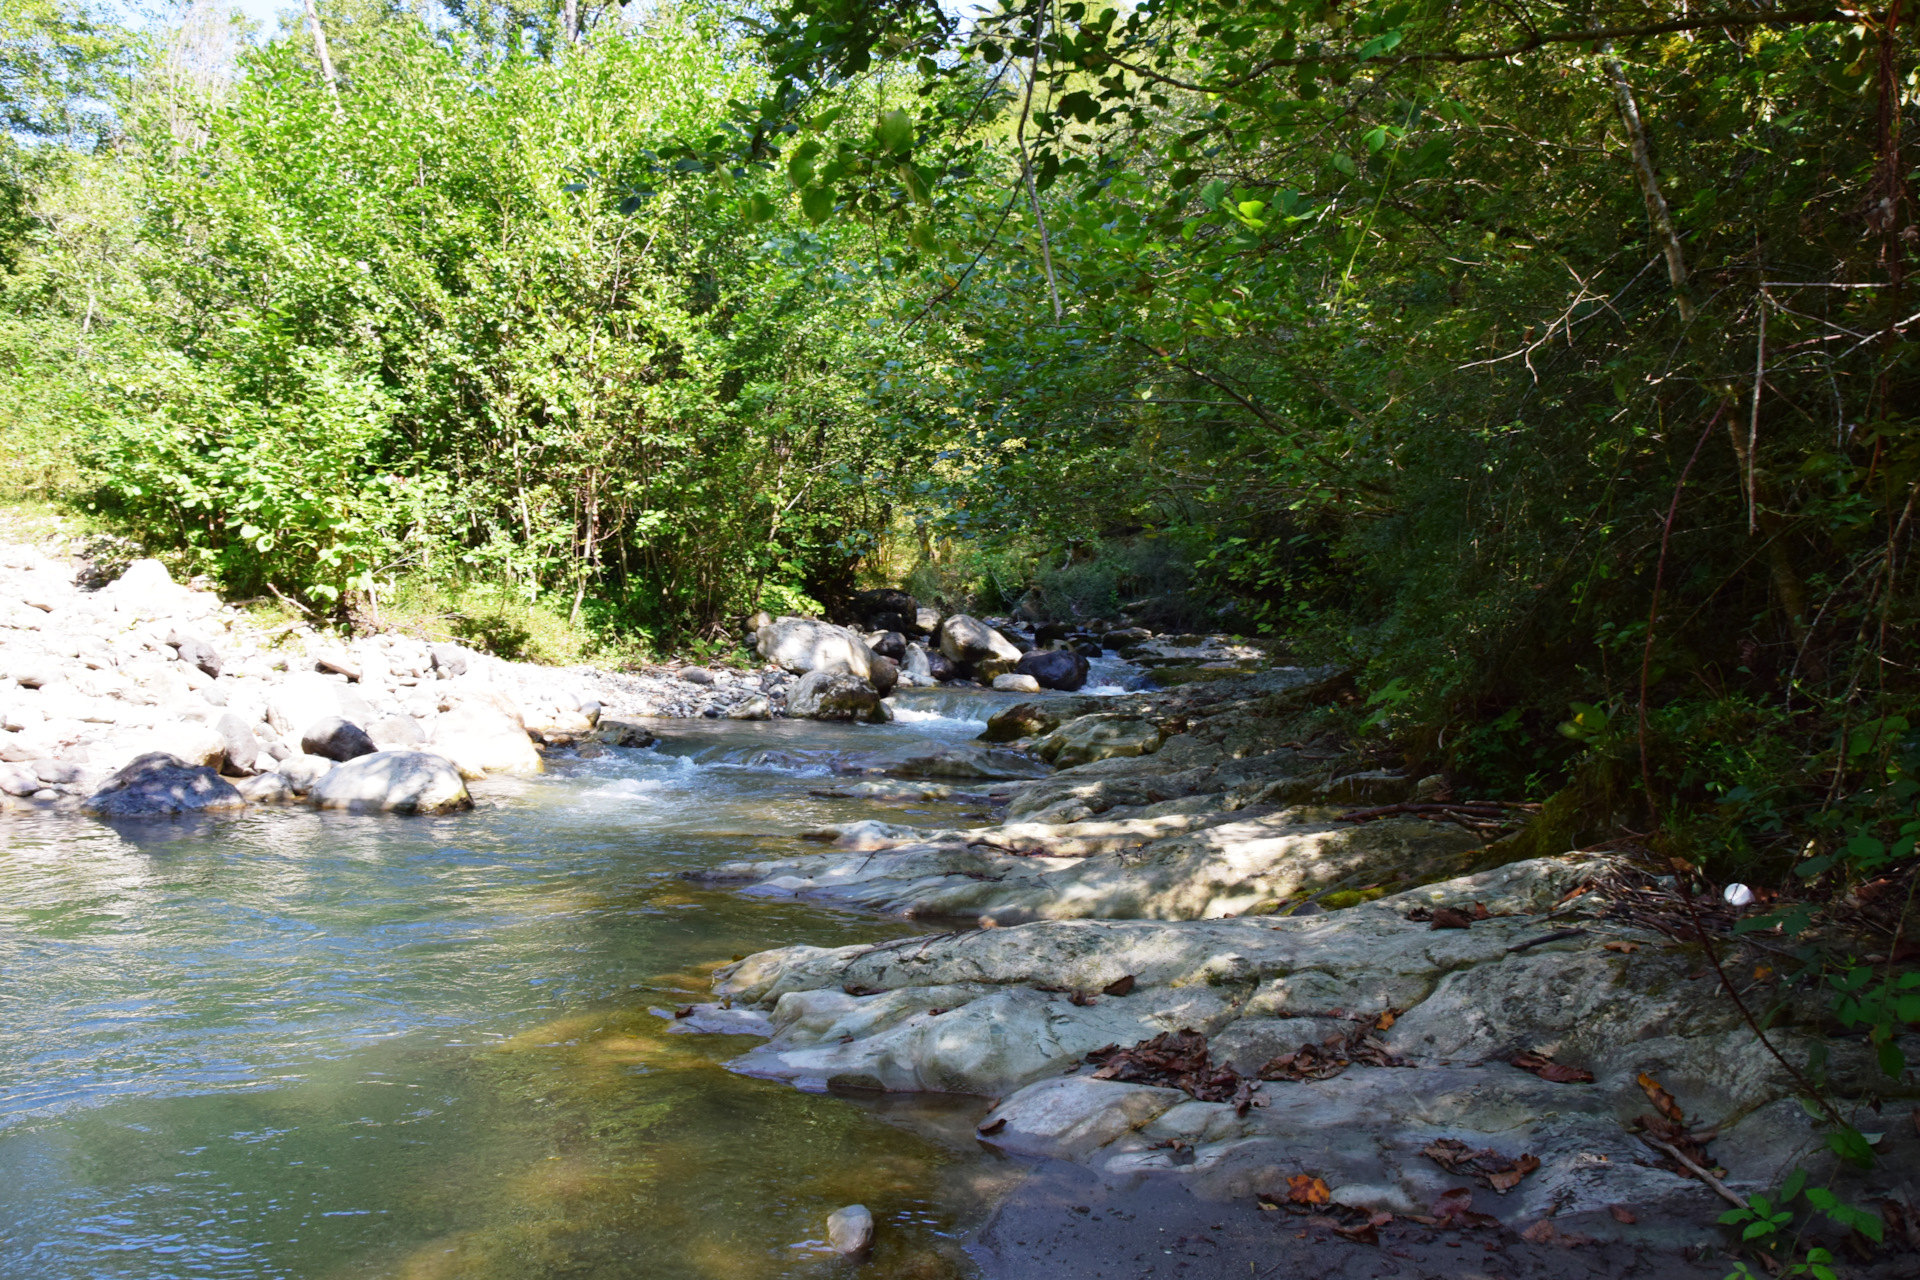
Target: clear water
<point>327,1046</point>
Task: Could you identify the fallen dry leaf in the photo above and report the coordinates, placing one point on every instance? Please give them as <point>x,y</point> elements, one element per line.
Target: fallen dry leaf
<point>1450,918</point>
<point>1118,987</point>
<point>1384,1021</point>
<point>1454,1208</point>
<point>1304,1188</point>
<point>1367,1232</point>
<point>1172,1059</point>
<point>1624,948</point>
<point>1480,911</point>
<point>1508,1179</point>
<point>992,1127</point>
<point>1487,1164</point>
<point>1622,1214</point>
<point>1544,1232</point>
<point>1547,1069</point>
<point>1663,1101</point>
<point>1081,998</point>
<point>685,1011</point>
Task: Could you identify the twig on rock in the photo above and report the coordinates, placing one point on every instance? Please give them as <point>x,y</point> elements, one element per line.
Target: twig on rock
<point>1720,1188</point>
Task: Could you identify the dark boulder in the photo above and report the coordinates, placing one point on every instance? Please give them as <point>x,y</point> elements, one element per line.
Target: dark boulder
<point>886,609</point>
<point>891,645</point>
<point>336,739</point>
<point>941,667</point>
<point>1048,632</point>
<point>158,785</point>
<point>1054,668</point>
<point>884,674</point>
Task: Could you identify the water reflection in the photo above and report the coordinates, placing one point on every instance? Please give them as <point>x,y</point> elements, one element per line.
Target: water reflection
<point>321,1045</point>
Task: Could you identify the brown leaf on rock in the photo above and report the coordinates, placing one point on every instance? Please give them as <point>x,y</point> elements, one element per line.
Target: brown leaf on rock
<point>1454,1209</point>
<point>1480,911</point>
<point>1508,1179</point>
<point>1622,1214</point>
<point>1304,1188</point>
<point>1367,1232</point>
<point>1544,1232</point>
<point>684,1011</point>
<point>1420,915</point>
<point>1118,987</point>
<point>1665,1102</point>
<point>1450,918</point>
<point>1172,1059</point>
<point>1082,999</point>
<point>1335,1054</point>
<point>1386,1020</point>
<point>1547,1069</point>
<point>1488,1165</point>
<point>1624,948</point>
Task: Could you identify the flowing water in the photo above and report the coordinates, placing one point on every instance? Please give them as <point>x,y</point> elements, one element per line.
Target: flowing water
<point>336,1047</point>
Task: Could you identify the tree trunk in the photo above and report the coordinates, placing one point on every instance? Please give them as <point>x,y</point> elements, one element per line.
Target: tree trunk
<point>1657,212</point>
<point>320,48</point>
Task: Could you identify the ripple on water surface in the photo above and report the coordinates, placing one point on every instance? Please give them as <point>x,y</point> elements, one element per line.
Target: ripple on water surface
<point>318,1045</point>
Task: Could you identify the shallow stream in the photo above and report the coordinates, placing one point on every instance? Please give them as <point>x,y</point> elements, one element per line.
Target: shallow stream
<point>331,1047</point>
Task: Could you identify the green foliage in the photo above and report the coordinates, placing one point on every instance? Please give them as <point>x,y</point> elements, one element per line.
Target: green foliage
<point>468,324</point>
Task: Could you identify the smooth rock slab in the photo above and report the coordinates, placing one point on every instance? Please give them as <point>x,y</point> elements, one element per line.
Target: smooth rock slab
<point>158,785</point>
<point>393,782</point>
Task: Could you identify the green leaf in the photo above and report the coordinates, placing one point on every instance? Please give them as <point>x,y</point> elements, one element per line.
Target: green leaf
<point>817,204</point>
<point>1850,1146</point>
<point>894,131</point>
<point>1793,1185</point>
<point>800,163</point>
<point>1080,105</point>
<point>1343,162</point>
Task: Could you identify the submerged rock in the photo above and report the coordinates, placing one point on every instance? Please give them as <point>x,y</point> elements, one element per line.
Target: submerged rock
<point>159,785</point>
<point>1012,683</point>
<point>394,782</point>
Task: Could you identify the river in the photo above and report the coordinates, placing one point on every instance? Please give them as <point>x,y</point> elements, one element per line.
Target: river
<point>333,1047</point>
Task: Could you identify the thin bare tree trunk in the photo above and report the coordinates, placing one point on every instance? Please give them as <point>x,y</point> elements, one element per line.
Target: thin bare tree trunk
<point>1657,212</point>
<point>320,48</point>
<point>570,20</point>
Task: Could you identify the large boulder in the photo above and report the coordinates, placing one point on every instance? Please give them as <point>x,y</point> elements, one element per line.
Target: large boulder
<point>482,737</point>
<point>835,695</point>
<point>886,609</point>
<point>886,674</point>
<point>801,645</point>
<point>242,755</point>
<point>971,641</point>
<point>303,772</point>
<point>889,644</point>
<point>396,731</point>
<point>158,785</point>
<point>1054,669</point>
<point>1098,737</point>
<point>394,782</point>
<point>336,739</point>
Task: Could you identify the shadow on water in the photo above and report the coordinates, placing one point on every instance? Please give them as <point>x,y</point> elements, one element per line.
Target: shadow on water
<point>331,1046</point>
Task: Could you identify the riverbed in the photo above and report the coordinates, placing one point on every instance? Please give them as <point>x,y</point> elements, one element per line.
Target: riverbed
<point>325,1046</point>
